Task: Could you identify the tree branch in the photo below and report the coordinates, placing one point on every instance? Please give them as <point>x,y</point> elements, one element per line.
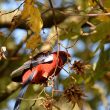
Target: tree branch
<point>47,17</point>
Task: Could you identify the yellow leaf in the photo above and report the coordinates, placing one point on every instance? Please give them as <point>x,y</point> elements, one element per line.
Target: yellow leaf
<point>35,21</point>
<point>103,18</point>
<point>32,14</point>
<point>91,3</point>
<point>34,41</point>
<point>26,10</point>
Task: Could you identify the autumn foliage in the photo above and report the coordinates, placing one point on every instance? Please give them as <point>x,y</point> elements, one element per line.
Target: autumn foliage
<point>34,28</point>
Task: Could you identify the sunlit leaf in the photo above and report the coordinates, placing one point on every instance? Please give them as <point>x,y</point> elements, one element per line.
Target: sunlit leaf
<point>106,3</point>
<point>102,30</point>
<point>33,42</point>
<point>35,21</point>
<point>103,18</point>
<point>91,3</point>
<point>103,65</point>
<point>32,14</point>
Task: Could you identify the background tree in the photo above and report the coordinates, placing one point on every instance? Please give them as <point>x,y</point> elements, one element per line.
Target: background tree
<point>80,27</point>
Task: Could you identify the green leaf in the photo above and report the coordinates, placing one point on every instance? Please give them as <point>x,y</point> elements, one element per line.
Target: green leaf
<point>102,30</point>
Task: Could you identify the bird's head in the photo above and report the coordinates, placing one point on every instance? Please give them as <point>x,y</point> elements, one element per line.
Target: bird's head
<point>65,56</point>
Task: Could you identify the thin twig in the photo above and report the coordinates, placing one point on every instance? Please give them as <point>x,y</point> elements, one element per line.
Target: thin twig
<point>85,15</point>
<point>54,20</point>
<point>33,105</point>
<point>26,99</point>
<point>56,107</point>
<point>101,6</point>
<point>72,45</point>
<point>54,16</point>
<point>3,43</point>
<point>12,10</point>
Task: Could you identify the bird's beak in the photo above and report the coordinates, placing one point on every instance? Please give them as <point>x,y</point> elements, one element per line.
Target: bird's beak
<point>69,59</point>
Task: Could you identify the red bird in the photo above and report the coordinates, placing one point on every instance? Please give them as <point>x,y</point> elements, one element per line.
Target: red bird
<point>38,70</point>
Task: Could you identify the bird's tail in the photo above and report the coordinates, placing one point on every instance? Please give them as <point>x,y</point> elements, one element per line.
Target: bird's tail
<point>23,90</point>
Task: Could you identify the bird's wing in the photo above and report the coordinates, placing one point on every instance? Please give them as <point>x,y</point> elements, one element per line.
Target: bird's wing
<point>23,90</point>
<point>40,59</point>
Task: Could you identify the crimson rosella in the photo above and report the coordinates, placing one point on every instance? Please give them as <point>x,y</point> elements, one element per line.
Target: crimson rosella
<point>38,70</point>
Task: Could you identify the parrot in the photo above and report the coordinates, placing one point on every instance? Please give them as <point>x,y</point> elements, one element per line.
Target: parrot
<point>37,70</point>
